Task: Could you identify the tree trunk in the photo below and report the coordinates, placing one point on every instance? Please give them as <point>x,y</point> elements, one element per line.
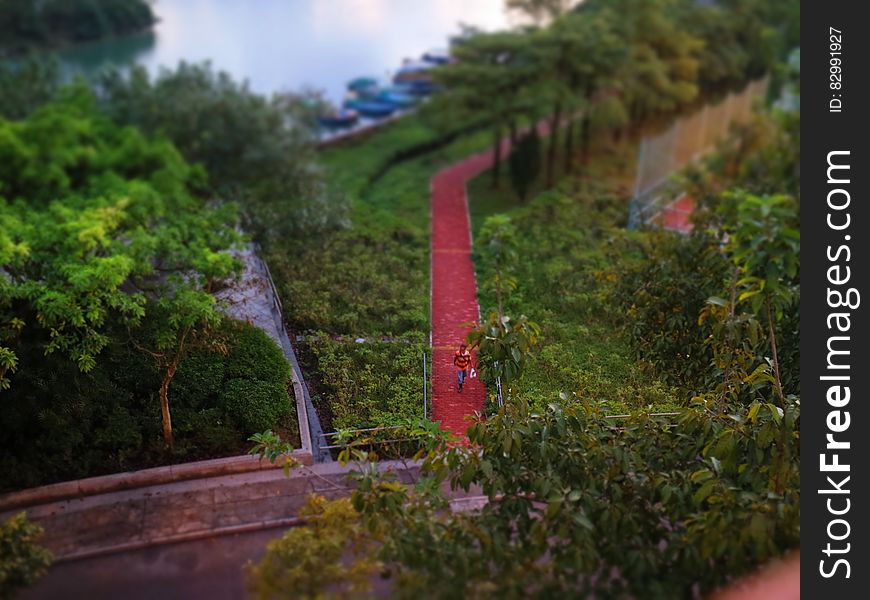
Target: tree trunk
<point>585,137</point>
<point>513,133</point>
<point>569,147</point>
<point>554,139</point>
<point>164,404</point>
<point>636,116</point>
<point>496,154</point>
<point>771,334</point>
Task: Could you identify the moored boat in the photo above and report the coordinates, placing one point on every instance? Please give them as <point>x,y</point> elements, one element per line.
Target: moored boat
<point>416,77</point>
<point>342,117</point>
<point>436,57</point>
<point>363,85</point>
<point>402,97</point>
<point>370,108</point>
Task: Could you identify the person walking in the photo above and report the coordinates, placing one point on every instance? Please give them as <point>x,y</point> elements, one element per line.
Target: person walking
<point>462,361</point>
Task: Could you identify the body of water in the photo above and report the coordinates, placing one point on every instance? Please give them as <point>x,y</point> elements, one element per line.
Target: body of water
<point>284,45</point>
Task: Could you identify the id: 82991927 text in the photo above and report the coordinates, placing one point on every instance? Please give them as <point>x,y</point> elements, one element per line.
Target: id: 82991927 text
<point>835,70</point>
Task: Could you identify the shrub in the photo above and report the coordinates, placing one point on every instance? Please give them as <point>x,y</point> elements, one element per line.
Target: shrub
<point>371,384</point>
<point>255,405</point>
<point>254,355</point>
<point>198,380</point>
<point>21,561</point>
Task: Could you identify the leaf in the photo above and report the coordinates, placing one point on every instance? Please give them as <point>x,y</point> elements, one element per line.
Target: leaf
<point>702,475</point>
<point>753,411</point>
<point>775,412</point>
<point>583,521</point>
<point>704,491</point>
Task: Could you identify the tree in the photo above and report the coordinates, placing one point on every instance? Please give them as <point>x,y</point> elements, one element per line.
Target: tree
<point>26,86</point>
<point>497,244</point>
<point>660,73</point>
<point>540,11</point>
<point>503,343</point>
<point>257,151</point>
<point>764,247</point>
<point>103,227</point>
<point>576,507</point>
<point>525,163</point>
<point>187,321</point>
<point>493,76</point>
<point>25,24</point>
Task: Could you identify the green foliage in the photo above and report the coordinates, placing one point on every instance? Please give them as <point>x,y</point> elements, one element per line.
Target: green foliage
<point>59,423</point>
<point>26,86</point>
<point>270,446</point>
<point>370,384</point>
<point>257,151</point>
<point>503,345</point>
<point>497,245</point>
<point>764,247</point>
<point>663,281</point>
<point>25,24</point>
<point>96,217</point>
<point>22,561</point>
<point>255,356</point>
<point>525,163</point>
<point>360,282</point>
<point>255,405</point>
<point>568,255</point>
<point>577,507</point>
<point>307,561</point>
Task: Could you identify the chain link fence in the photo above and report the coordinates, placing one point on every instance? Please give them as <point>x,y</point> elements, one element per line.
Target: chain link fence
<point>687,139</point>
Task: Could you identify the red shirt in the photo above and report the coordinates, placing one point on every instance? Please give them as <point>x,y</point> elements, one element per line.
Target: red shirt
<point>462,359</point>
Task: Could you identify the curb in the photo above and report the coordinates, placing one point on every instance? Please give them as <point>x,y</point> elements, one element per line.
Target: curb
<point>180,538</point>
<point>90,486</point>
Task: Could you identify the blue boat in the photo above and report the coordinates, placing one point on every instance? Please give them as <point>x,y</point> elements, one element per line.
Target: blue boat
<point>437,57</point>
<point>363,85</point>
<point>370,108</point>
<point>416,77</point>
<point>420,87</point>
<point>343,117</point>
<point>402,97</point>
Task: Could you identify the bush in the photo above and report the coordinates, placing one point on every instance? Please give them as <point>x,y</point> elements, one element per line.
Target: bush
<point>59,423</point>
<point>21,561</point>
<point>257,150</point>
<point>371,384</point>
<point>198,380</point>
<point>255,405</point>
<point>569,254</point>
<point>254,355</point>
<point>661,294</point>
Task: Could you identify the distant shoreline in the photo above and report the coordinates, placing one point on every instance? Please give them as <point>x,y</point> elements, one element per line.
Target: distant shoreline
<point>61,43</point>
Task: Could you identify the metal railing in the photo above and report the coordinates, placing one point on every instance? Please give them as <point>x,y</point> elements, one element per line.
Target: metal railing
<point>688,139</point>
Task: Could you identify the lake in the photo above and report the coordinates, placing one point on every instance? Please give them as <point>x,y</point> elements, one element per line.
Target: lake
<point>280,45</point>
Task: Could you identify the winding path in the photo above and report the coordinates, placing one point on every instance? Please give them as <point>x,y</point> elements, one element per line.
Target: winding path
<point>454,291</point>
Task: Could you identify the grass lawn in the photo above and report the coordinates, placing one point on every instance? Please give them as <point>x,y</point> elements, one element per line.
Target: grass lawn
<point>567,258</point>
<point>371,279</point>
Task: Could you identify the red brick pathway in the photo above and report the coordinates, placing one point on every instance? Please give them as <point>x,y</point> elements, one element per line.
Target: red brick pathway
<point>454,289</point>
<point>454,293</point>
